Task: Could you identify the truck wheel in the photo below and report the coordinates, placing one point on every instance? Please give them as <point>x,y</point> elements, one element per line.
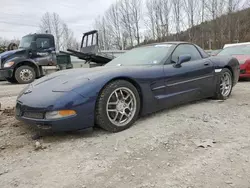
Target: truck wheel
<point>25,74</point>
<point>11,80</point>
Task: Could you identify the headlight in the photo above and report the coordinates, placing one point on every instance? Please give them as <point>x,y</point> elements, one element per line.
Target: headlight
<point>59,114</point>
<point>9,64</point>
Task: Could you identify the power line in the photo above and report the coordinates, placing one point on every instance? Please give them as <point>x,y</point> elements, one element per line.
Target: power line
<point>8,31</point>
<point>15,23</point>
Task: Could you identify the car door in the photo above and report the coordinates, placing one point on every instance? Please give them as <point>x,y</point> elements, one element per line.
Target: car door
<point>44,52</point>
<point>191,80</point>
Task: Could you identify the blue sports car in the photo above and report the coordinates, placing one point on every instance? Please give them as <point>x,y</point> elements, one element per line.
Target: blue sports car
<point>141,81</point>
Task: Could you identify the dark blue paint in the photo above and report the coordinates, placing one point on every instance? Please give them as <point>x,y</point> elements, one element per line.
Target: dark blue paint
<point>161,86</point>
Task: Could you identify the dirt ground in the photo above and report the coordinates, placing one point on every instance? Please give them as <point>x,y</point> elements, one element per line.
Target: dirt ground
<point>203,144</point>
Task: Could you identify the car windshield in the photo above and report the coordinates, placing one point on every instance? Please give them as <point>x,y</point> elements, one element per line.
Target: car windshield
<point>236,50</point>
<point>25,42</point>
<point>142,56</point>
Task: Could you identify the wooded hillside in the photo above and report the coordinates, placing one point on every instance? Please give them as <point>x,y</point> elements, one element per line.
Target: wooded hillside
<point>230,28</point>
<point>209,23</point>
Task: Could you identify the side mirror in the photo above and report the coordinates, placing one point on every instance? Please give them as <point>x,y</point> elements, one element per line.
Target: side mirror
<point>33,46</point>
<point>183,59</point>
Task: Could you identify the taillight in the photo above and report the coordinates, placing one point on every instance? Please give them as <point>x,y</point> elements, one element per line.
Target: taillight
<point>247,66</point>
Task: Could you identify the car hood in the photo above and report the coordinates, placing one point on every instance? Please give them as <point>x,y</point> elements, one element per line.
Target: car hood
<point>9,53</point>
<point>68,80</point>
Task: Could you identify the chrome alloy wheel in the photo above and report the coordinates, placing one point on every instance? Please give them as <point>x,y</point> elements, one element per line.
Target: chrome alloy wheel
<point>26,75</point>
<point>225,84</point>
<point>121,106</point>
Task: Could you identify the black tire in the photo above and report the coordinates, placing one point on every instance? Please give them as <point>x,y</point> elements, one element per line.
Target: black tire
<point>218,94</point>
<point>101,116</point>
<point>25,79</point>
<point>11,80</point>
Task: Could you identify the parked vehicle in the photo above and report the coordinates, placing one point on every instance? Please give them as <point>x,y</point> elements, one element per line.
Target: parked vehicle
<point>141,81</point>
<point>208,52</point>
<point>242,53</point>
<point>90,52</point>
<point>11,46</point>
<point>236,44</point>
<point>34,57</point>
<point>212,52</point>
<point>215,52</point>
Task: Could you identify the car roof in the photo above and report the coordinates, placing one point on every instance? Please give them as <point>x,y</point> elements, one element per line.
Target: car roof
<point>203,53</point>
<point>235,44</point>
<point>170,42</point>
<point>41,35</point>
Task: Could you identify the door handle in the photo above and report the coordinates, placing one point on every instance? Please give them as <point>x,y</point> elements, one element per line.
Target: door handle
<point>206,63</point>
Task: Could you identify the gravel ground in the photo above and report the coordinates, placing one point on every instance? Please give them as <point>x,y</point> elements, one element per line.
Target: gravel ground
<point>203,144</point>
<point>8,93</point>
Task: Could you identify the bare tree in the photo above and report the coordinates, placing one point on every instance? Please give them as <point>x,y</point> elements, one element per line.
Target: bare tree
<point>150,14</point>
<point>53,24</point>
<point>126,18</point>
<point>4,42</point>
<point>205,22</point>
<point>74,44</point>
<point>177,7</point>
<point>191,9</point>
<point>46,25</point>
<point>135,18</point>
<point>114,26</point>
<point>69,42</point>
<point>104,39</point>
<point>159,15</point>
<point>58,29</point>
<point>202,20</point>
<point>167,6</point>
<point>233,6</point>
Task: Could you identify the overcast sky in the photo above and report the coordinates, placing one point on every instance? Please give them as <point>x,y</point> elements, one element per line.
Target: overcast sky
<point>20,17</point>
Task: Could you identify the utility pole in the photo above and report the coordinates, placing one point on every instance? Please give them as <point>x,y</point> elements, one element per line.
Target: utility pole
<point>210,41</point>
<point>202,20</point>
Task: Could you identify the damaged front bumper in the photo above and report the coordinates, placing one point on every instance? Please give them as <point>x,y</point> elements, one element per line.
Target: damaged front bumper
<point>6,73</point>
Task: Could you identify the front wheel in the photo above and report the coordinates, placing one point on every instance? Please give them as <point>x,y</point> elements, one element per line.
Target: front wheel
<point>225,85</point>
<point>25,74</point>
<point>118,106</point>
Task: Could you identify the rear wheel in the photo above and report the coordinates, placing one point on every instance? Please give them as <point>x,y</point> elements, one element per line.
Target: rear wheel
<point>25,74</point>
<point>225,85</point>
<point>118,106</point>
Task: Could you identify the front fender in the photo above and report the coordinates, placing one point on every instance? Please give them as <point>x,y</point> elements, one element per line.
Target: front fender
<point>229,62</point>
<point>93,87</point>
<point>225,61</point>
<point>22,60</point>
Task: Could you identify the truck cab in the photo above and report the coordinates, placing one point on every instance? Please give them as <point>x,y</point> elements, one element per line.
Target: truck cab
<point>25,64</point>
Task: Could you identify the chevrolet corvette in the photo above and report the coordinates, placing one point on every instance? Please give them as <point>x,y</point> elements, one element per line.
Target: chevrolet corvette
<point>141,81</point>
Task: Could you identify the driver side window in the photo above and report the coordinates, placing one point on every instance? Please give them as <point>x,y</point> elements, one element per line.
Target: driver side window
<point>43,43</point>
<point>186,49</point>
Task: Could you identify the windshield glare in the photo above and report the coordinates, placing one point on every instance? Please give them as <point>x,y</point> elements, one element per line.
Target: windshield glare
<point>143,55</point>
<point>25,42</point>
<point>236,50</point>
